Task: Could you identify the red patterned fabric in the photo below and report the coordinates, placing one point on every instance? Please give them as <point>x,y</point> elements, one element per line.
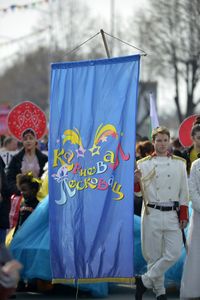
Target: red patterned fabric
<point>24,116</point>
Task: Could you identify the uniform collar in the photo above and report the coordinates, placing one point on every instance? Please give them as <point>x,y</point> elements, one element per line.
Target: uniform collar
<point>154,154</point>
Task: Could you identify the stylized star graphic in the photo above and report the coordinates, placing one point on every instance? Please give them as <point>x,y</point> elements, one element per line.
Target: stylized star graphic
<point>104,139</point>
<point>80,151</point>
<point>95,150</point>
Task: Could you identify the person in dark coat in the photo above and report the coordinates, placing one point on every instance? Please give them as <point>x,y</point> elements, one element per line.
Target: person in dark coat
<point>4,203</point>
<point>29,159</point>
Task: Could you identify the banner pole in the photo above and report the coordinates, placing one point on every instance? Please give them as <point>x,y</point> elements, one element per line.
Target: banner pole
<point>105,43</point>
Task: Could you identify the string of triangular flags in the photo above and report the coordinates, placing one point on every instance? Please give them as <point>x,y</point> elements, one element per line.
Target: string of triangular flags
<point>15,7</point>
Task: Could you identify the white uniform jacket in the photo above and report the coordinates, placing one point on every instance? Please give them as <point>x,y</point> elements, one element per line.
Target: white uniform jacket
<point>164,179</point>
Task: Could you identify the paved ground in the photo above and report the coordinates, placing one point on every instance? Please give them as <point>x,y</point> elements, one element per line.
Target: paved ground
<point>115,292</point>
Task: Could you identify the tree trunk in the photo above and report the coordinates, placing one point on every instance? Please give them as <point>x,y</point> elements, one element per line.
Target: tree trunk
<point>176,81</point>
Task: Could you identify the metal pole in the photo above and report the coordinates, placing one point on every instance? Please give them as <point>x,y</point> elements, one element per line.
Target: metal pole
<point>105,43</point>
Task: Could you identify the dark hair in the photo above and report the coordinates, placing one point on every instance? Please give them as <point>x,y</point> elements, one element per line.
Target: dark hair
<point>2,138</point>
<point>161,130</point>
<point>27,179</point>
<point>144,148</point>
<point>196,126</point>
<point>176,143</point>
<point>30,131</point>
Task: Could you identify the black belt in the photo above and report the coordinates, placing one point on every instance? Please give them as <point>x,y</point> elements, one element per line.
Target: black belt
<point>162,208</point>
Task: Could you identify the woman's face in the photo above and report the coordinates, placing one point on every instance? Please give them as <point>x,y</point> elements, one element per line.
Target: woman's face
<point>196,139</point>
<point>29,141</point>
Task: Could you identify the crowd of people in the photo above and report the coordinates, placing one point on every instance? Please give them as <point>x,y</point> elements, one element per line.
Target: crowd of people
<point>21,166</point>
<point>166,175</point>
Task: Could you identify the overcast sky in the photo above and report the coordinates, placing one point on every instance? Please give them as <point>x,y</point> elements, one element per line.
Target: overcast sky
<point>18,23</point>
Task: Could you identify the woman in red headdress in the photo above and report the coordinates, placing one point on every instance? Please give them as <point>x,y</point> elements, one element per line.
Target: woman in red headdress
<point>193,152</point>
<point>27,122</point>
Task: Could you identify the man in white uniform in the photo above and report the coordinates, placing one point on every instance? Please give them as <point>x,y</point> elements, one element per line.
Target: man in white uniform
<point>164,180</point>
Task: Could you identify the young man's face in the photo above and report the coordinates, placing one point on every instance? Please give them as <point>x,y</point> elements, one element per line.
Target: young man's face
<point>161,144</point>
<point>12,146</point>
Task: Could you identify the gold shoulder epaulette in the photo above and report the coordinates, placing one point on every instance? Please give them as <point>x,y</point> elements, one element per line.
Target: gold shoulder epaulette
<point>178,157</point>
<point>144,158</point>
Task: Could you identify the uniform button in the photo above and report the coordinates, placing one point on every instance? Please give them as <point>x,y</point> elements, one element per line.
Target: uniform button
<point>168,164</point>
<point>156,176</point>
<point>168,175</point>
<point>169,187</point>
<point>170,199</point>
<point>157,188</point>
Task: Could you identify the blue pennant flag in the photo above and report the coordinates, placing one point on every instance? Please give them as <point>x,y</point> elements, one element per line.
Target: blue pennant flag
<point>91,167</point>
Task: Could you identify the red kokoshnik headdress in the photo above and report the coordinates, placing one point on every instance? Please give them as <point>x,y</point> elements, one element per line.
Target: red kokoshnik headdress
<point>26,115</point>
<point>185,131</point>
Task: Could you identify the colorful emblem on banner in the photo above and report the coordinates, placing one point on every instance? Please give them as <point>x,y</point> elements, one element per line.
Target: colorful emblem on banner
<point>73,175</point>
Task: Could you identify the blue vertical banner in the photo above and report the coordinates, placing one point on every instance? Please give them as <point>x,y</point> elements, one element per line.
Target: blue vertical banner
<point>91,169</point>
